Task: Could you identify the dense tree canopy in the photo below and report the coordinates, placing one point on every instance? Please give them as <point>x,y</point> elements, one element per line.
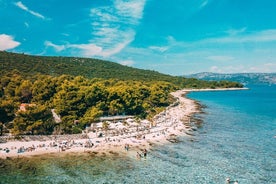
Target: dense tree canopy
<point>80,90</point>
<point>74,99</point>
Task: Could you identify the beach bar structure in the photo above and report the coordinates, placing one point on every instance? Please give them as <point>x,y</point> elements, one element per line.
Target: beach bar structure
<point>115,118</point>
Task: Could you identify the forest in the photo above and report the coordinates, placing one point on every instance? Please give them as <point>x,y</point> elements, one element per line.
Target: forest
<point>29,93</point>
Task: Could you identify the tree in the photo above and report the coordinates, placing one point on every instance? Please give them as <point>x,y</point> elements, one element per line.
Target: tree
<point>35,127</point>
<point>7,112</point>
<point>44,88</point>
<point>91,115</point>
<point>67,124</point>
<point>69,101</point>
<point>12,84</point>
<point>105,126</point>
<point>35,120</point>
<point>1,128</point>
<point>24,91</point>
<point>115,107</point>
<point>94,94</point>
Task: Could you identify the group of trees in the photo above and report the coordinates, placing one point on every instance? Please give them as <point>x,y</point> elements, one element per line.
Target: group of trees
<point>78,100</point>
<point>80,90</point>
<point>92,68</point>
<point>87,67</point>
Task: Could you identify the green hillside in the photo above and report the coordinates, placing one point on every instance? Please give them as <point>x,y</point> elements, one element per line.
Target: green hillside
<point>29,66</point>
<point>80,90</point>
<point>90,68</point>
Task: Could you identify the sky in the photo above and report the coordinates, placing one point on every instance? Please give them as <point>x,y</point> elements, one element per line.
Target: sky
<point>176,37</point>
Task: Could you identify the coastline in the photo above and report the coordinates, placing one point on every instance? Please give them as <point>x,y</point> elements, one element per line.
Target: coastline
<point>215,89</point>
<point>168,125</point>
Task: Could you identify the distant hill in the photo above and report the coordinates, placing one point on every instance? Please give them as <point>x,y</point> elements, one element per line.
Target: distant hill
<point>87,67</point>
<point>244,78</point>
<point>29,66</point>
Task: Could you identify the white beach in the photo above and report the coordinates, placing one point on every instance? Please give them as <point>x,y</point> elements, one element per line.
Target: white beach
<point>166,126</point>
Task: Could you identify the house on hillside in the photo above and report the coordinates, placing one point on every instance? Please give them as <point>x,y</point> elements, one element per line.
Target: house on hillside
<point>24,106</point>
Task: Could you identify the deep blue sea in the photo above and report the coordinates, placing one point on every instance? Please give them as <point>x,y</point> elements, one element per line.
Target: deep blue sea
<point>236,140</point>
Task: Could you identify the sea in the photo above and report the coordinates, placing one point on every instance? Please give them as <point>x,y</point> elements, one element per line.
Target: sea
<point>236,139</point>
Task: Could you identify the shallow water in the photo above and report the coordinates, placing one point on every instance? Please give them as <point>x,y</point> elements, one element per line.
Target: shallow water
<point>236,141</point>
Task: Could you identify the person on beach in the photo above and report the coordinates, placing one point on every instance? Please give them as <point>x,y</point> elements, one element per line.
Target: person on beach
<point>145,153</point>
<point>138,155</point>
<point>126,147</point>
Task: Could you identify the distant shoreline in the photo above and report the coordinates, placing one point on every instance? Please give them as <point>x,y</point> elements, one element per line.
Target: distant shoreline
<point>167,126</point>
<point>215,89</point>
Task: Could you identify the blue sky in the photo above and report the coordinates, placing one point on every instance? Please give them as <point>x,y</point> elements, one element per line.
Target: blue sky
<point>175,37</point>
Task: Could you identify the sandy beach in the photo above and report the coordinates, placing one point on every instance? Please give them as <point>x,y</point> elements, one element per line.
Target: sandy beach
<point>165,128</point>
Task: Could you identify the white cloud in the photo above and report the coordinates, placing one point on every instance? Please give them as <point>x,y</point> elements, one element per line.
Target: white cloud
<point>113,28</point>
<point>87,49</point>
<point>117,48</point>
<point>214,69</point>
<point>56,47</point>
<point>20,5</point>
<point>261,36</point>
<point>65,34</point>
<point>132,9</point>
<point>171,40</point>
<point>244,68</point>
<point>233,40</point>
<point>7,42</point>
<point>91,49</point>
<point>127,63</point>
<point>26,24</point>
<point>233,32</point>
<point>103,14</point>
<point>240,51</point>
<point>265,67</point>
<point>270,65</point>
<point>228,69</point>
<point>160,49</point>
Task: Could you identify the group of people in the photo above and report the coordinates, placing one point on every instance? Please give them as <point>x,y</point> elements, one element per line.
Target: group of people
<point>143,154</point>
<point>138,154</point>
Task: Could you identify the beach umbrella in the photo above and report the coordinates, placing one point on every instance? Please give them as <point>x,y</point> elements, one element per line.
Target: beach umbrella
<point>112,125</point>
<point>99,125</point>
<point>129,120</point>
<point>145,121</point>
<point>120,126</point>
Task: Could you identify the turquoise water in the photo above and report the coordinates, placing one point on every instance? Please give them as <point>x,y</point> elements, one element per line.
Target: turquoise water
<point>238,134</point>
<point>236,141</point>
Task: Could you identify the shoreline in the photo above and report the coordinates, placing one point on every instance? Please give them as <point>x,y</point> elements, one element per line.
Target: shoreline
<point>168,125</point>
<point>215,89</point>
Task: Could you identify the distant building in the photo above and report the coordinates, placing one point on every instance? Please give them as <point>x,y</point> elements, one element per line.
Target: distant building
<point>115,118</point>
<point>23,106</point>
